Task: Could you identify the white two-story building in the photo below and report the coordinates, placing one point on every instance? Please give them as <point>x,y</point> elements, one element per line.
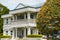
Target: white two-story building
<point>21,21</point>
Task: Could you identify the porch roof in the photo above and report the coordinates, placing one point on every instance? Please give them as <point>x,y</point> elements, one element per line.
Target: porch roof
<point>6,15</point>
<point>24,9</point>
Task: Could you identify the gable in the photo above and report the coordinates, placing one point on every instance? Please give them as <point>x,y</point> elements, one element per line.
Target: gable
<point>20,5</point>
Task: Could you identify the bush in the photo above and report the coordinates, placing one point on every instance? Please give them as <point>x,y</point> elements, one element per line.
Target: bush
<point>34,36</point>
<point>1,34</point>
<point>5,36</point>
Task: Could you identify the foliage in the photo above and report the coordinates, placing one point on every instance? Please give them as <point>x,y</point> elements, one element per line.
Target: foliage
<point>3,10</point>
<point>6,36</point>
<point>48,18</point>
<point>34,36</point>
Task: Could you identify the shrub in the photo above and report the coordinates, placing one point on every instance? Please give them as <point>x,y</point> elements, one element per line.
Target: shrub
<point>7,36</point>
<point>34,36</point>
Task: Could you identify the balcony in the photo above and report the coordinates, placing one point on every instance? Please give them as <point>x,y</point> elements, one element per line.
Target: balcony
<point>21,20</point>
<point>22,23</point>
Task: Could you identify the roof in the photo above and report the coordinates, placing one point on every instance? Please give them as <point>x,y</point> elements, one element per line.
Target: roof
<point>22,6</point>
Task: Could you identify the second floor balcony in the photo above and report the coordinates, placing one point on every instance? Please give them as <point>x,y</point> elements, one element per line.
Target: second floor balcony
<point>21,23</point>
<point>22,20</point>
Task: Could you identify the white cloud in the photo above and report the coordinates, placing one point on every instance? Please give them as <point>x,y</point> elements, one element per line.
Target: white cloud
<point>11,4</point>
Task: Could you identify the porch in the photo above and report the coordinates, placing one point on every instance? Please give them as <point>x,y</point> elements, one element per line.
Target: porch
<point>23,32</point>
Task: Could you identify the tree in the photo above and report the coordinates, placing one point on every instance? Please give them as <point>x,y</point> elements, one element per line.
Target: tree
<point>48,18</point>
<point>3,10</point>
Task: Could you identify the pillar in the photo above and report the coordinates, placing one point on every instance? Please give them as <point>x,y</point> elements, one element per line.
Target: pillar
<point>16,32</point>
<point>29,31</point>
<point>13,18</point>
<point>24,16</point>
<point>13,34</point>
<point>28,15</point>
<point>9,32</point>
<point>24,32</point>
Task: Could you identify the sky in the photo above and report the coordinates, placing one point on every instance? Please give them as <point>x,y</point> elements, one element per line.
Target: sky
<point>11,4</point>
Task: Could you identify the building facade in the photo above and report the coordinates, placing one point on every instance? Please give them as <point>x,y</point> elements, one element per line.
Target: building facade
<point>21,21</point>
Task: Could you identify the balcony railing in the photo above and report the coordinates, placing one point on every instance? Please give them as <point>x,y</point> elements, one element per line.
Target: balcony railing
<point>23,21</point>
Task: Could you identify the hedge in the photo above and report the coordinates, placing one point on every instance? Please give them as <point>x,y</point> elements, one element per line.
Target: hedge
<point>7,36</point>
<point>34,36</point>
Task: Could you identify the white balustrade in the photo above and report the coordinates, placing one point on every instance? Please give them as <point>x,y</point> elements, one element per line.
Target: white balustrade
<point>21,23</point>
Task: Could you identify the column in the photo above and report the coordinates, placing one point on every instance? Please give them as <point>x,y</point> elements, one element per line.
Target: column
<point>9,33</point>
<point>16,17</point>
<point>28,18</point>
<point>13,18</point>
<point>16,32</point>
<point>24,16</point>
<point>24,32</point>
<point>28,15</point>
<point>29,31</point>
<point>13,34</point>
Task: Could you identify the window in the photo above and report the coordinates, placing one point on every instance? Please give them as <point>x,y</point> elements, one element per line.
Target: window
<point>33,15</point>
<point>6,21</point>
<point>11,32</point>
<point>31,31</point>
<point>6,32</point>
<point>26,15</point>
<point>20,16</point>
<point>11,19</point>
<point>26,31</point>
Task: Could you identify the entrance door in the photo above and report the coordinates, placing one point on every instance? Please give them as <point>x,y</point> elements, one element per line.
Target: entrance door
<point>20,33</point>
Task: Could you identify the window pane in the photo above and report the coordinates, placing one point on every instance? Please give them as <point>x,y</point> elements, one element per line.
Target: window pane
<point>11,19</point>
<point>20,16</point>
<point>33,15</point>
<point>11,32</point>
<point>31,31</point>
<point>26,31</point>
<point>6,21</point>
<point>26,15</point>
<point>6,32</point>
